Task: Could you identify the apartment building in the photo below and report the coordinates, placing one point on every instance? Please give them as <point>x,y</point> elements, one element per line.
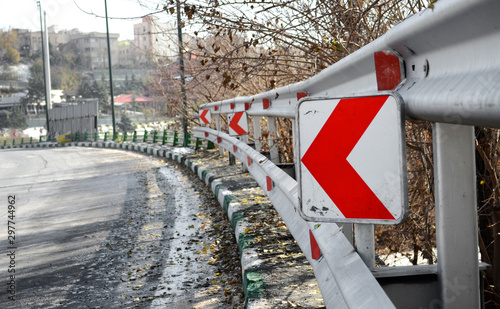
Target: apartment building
<point>156,39</point>
<point>93,49</point>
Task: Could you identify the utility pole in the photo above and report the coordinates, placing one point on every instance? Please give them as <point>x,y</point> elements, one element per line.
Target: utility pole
<point>110,73</point>
<point>183,74</point>
<point>48,85</point>
<point>47,89</point>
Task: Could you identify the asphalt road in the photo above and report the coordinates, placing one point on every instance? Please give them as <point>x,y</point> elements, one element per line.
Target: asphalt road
<point>93,228</point>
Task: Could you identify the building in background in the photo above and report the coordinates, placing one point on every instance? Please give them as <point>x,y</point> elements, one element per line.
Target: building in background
<point>93,49</point>
<point>156,40</point>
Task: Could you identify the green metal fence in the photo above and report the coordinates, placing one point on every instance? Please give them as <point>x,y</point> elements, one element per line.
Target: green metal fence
<point>173,138</point>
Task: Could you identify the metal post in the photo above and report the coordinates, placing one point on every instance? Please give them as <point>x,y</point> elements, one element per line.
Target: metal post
<point>218,126</point>
<point>182,71</point>
<point>48,86</point>
<point>296,156</point>
<point>175,138</point>
<point>257,133</point>
<point>365,243</point>
<point>456,216</point>
<point>164,138</point>
<point>273,135</point>
<point>244,139</point>
<point>155,136</point>
<point>43,65</point>
<point>110,73</point>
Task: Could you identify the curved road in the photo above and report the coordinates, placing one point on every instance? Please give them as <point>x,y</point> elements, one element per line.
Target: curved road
<point>96,228</point>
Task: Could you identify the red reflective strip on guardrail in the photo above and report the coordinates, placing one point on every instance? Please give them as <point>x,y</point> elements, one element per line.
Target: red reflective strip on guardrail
<point>315,250</point>
<point>269,183</point>
<point>301,95</point>
<point>387,69</point>
<point>266,103</point>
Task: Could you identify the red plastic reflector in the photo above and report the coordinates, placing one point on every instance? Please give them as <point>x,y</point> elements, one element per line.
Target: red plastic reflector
<point>206,134</point>
<point>219,140</point>
<point>266,103</point>
<point>315,251</point>
<point>249,161</point>
<point>387,69</point>
<point>234,148</point>
<point>247,106</point>
<point>301,95</point>
<point>269,183</point>
<point>216,108</point>
<point>232,105</point>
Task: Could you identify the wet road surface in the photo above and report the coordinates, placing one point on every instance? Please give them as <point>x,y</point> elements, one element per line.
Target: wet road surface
<point>99,228</point>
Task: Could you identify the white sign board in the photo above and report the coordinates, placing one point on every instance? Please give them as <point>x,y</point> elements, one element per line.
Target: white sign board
<point>352,160</point>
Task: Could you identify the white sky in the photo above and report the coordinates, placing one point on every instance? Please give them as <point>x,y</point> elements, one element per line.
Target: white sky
<point>66,14</point>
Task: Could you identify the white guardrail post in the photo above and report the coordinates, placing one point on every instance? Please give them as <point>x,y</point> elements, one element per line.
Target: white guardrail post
<point>456,215</point>
<point>443,65</point>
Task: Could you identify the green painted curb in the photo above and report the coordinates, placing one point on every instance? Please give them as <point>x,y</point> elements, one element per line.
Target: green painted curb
<point>216,191</point>
<point>243,242</point>
<point>227,200</point>
<point>204,175</point>
<point>254,285</point>
<point>235,218</point>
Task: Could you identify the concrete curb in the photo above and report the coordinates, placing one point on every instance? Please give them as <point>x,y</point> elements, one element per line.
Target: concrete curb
<point>253,281</point>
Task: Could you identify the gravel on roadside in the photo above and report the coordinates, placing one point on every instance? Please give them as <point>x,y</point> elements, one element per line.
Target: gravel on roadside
<point>285,278</point>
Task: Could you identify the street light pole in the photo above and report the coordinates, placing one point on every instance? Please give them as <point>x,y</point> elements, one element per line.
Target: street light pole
<point>47,95</point>
<point>110,73</point>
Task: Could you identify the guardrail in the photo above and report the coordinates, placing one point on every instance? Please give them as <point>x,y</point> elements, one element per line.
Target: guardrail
<point>443,64</point>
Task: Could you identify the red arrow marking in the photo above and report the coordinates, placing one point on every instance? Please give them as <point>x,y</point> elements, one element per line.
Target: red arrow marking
<point>235,126</point>
<point>326,159</point>
<point>204,115</point>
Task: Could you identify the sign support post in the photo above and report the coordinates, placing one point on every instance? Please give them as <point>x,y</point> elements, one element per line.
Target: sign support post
<point>365,243</point>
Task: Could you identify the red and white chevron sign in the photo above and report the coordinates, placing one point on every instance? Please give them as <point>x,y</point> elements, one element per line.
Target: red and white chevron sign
<point>205,116</point>
<point>238,123</point>
<point>353,160</point>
